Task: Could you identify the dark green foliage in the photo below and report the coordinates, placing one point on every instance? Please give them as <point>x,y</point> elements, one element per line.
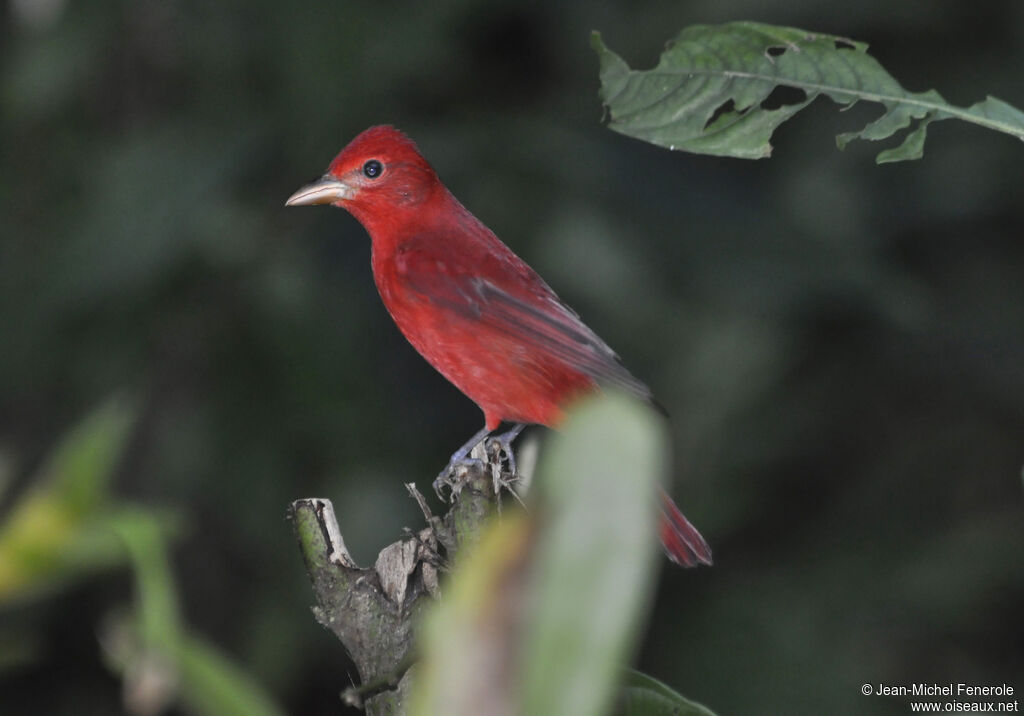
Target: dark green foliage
<point>712,90</point>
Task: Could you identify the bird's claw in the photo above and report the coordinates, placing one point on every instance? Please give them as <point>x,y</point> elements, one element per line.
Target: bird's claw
<point>481,453</point>
<point>454,477</point>
<point>501,464</point>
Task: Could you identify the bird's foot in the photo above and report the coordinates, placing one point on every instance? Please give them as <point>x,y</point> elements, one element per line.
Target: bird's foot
<point>481,453</point>
<point>455,476</point>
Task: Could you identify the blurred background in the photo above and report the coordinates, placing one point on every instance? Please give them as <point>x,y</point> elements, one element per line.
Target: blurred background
<point>840,345</point>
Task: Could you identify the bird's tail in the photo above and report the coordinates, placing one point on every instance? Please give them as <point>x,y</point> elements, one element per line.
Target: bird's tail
<point>681,540</point>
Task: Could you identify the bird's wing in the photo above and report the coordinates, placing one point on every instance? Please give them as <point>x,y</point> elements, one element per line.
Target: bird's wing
<point>508,296</point>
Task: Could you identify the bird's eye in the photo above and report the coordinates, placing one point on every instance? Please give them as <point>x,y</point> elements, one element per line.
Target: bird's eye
<point>372,169</point>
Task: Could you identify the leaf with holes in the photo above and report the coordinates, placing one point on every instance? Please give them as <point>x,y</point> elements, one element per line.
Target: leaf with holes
<point>723,90</point>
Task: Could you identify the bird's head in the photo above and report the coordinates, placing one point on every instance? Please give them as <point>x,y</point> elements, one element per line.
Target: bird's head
<point>377,176</point>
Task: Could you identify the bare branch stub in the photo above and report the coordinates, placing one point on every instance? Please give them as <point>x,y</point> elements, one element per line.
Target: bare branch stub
<point>374,610</point>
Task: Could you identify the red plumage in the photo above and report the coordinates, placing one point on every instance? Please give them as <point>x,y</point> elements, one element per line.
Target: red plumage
<point>469,305</point>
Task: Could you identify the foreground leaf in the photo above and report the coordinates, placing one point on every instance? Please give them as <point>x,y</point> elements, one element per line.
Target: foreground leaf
<point>469,637</point>
<point>708,92</point>
<point>643,695</point>
<point>541,614</point>
<point>594,565</point>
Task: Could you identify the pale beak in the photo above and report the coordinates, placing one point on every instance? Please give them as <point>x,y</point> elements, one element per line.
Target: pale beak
<point>325,190</point>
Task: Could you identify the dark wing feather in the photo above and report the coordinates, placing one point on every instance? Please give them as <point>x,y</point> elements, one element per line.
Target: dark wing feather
<point>524,308</point>
<point>557,331</point>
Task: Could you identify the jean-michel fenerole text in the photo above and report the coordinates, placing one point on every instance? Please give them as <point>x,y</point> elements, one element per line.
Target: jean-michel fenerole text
<point>944,690</point>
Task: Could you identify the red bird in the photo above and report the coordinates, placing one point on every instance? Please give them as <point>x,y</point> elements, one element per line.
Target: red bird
<point>473,308</point>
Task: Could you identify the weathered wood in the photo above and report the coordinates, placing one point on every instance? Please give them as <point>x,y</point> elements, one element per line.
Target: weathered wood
<point>374,611</point>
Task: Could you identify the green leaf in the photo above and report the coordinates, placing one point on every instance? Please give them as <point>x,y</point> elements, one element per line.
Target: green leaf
<point>56,529</point>
<point>161,661</point>
<point>594,565</point>
<point>83,463</point>
<point>542,612</point>
<point>642,695</point>
<point>467,639</point>
<point>708,92</point>
<point>212,685</point>
<point>143,535</point>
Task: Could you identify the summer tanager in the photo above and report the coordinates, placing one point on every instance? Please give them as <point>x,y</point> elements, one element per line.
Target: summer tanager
<point>471,307</point>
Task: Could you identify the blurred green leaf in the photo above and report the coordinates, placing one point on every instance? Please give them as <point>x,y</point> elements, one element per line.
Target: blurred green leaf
<point>83,463</point>
<point>212,684</point>
<point>543,612</point>
<point>161,662</point>
<point>711,92</point>
<point>57,528</point>
<point>643,695</point>
<point>468,638</point>
<point>143,536</point>
<point>594,565</point>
